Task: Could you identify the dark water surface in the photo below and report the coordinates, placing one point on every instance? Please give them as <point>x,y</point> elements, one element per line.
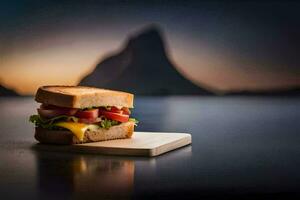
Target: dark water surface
<point>242,147</point>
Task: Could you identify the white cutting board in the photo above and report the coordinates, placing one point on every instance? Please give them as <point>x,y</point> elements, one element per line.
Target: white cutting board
<point>141,144</point>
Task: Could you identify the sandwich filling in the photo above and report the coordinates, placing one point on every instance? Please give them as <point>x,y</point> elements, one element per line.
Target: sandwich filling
<point>79,120</point>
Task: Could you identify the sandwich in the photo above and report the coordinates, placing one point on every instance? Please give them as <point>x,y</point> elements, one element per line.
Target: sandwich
<point>78,114</point>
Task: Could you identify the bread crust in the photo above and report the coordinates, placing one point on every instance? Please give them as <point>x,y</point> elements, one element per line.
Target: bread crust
<point>124,130</point>
<point>82,97</point>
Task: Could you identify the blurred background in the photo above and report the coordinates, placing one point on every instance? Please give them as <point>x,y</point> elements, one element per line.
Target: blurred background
<point>151,48</point>
<point>226,72</point>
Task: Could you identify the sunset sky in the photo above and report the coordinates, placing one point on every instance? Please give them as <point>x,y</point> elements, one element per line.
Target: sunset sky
<point>221,46</point>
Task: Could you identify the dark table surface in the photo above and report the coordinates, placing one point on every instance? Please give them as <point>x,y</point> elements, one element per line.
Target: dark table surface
<point>242,147</point>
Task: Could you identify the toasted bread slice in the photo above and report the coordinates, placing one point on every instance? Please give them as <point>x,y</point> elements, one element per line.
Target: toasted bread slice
<point>124,130</point>
<point>82,97</point>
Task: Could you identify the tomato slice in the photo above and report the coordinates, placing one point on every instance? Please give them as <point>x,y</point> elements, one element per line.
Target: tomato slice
<point>115,116</point>
<point>92,113</point>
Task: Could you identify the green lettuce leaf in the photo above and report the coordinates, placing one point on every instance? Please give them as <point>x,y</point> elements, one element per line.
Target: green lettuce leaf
<point>107,123</point>
<point>134,120</point>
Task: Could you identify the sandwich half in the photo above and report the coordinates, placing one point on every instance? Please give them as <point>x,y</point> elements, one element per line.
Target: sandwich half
<point>78,114</point>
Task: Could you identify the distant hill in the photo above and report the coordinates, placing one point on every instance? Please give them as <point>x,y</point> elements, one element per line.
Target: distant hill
<point>143,68</point>
<point>7,92</point>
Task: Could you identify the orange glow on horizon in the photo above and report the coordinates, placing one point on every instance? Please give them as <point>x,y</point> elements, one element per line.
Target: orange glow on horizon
<point>28,66</point>
<point>25,70</point>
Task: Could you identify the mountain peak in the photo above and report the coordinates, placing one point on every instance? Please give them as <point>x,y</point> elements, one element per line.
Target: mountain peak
<point>142,68</point>
<point>147,42</point>
<point>151,33</point>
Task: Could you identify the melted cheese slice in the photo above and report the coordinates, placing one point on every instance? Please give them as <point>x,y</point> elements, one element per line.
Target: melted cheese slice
<point>77,129</point>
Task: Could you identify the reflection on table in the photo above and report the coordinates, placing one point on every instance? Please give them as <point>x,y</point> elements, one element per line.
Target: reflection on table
<point>71,176</point>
